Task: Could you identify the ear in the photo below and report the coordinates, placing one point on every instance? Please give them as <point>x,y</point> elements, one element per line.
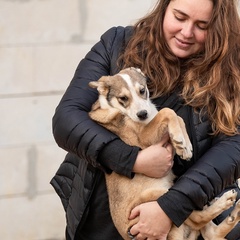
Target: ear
<point>101,85</point>
<point>93,84</point>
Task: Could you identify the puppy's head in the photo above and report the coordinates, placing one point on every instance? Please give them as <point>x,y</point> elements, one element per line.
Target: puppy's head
<point>126,91</point>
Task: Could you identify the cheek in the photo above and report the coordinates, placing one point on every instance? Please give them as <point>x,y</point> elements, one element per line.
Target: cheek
<point>169,28</point>
<point>167,25</point>
<point>201,37</point>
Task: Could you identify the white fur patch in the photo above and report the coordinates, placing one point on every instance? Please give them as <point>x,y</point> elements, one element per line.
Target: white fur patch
<point>103,102</point>
<point>127,80</point>
<point>138,103</point>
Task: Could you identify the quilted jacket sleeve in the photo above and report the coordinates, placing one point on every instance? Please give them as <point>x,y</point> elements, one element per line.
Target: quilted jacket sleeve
<point>218,168</point>
<point>73,130</point>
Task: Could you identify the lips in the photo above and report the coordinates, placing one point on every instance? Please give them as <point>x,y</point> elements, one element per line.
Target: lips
<point>183,44</point>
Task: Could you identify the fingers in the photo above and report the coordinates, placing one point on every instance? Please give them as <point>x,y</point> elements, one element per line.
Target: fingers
<point>153,223</point>
<point>166,143</point>
<point>141,237</point>
<point>165,139</point>
<point>134,213</point>
<point>130,235</point>
<point>134,231</point>
<point>169,147</point>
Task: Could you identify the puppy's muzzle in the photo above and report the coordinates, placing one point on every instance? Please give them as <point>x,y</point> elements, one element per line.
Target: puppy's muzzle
<point>142,115</point>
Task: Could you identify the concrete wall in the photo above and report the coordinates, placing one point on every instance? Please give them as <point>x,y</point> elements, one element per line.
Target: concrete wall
<point>41,43</point>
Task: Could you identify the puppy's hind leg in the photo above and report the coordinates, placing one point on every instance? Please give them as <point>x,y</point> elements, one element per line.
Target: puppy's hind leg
<point>199,219</point>
<point>230,222</point>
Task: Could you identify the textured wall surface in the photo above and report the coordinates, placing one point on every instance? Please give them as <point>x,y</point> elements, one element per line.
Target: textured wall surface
<point>41,43</point>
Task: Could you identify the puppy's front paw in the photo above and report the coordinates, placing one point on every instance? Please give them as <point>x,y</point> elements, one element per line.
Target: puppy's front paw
<point>183,147</point>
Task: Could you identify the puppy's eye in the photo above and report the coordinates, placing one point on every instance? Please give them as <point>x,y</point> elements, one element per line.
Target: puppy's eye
<point>124,98</point>
<point>142,90</point>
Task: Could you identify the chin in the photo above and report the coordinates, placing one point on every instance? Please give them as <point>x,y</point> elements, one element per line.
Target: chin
<point>182,55</point>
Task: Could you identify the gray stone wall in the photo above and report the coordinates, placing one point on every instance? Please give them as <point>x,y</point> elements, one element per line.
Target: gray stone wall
<point>41,43</point>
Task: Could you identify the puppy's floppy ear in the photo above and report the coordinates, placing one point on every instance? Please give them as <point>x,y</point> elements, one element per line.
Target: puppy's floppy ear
<point>93,84</point>
<point>101,85</point>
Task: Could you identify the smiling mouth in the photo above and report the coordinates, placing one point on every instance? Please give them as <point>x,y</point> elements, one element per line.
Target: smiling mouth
<point>183,44</point>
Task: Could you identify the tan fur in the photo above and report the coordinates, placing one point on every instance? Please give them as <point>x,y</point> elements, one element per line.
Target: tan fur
<point>124,193</point>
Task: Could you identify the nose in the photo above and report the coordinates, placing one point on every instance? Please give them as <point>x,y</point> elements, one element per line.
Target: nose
<point>187,30</point>
<point>142,115</point>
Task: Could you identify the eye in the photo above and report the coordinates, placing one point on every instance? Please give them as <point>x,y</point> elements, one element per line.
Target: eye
<point>123,98</point>
<point>142,90</point>
<point>180,18</point>
<point>202,26</point>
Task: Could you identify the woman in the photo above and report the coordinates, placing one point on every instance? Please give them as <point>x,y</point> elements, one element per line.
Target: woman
<point>190,51</point>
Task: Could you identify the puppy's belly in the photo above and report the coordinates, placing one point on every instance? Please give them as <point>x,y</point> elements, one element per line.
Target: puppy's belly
<point>125,194</point>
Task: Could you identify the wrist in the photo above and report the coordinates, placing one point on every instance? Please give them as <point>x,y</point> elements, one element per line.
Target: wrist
<point>138,166</point>
<point>176,206</point>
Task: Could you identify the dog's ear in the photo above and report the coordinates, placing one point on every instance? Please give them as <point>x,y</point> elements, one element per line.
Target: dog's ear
<point>93,84</point>
<point>101,85</point>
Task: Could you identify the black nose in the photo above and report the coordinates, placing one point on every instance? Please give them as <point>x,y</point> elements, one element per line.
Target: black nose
<point>142,115</point>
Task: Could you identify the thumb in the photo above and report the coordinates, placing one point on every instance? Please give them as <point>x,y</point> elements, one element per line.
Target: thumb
<point>134,213</point>
<point>165,139</point>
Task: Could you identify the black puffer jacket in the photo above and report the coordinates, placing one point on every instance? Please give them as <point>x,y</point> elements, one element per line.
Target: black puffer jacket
<point>215,165</point>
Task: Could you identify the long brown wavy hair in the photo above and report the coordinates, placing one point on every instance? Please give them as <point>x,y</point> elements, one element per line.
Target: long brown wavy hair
<point>210,81</point>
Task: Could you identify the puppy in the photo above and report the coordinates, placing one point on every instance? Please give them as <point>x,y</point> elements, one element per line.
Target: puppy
<point>124,107</point>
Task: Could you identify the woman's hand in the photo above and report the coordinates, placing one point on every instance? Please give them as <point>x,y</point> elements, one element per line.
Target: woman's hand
<point>153,223</point>
<point>155,161</point>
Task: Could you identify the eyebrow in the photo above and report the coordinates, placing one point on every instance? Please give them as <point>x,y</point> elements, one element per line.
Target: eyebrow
<point>184,14</point>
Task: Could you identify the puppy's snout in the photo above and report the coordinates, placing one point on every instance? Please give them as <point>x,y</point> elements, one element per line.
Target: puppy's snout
<point>142,115</point>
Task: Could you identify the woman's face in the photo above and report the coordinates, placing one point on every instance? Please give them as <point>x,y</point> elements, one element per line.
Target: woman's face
<point>185,26</point>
